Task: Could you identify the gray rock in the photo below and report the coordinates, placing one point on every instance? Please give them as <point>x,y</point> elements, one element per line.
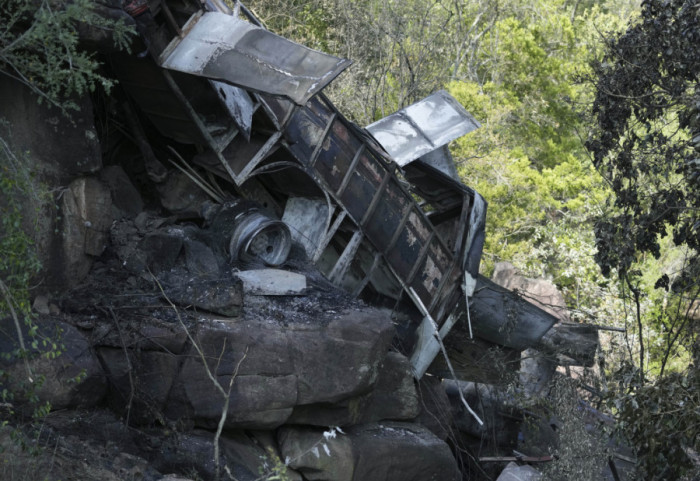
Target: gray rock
<point>317,457</point>
<point>162,249</point>
<point>86,211</point>
<point>154,335</point>
<point>41,305</point>
<point>66,149</point>
<point>139,384</point>
<point>401,452</point>
<point>240,453</point>
<point>277,368</point>
<point>72,379</point>
<point>393,397</point>
<point>341,413</point>
<point>380,451</point>
<point>220,296</point>
<point>180,195</point>
<point>200,259</point>
<point>191,452</point>
<point>272,459</point>
<point>541,292</point>
<point>436,410</point>
<point>55,152</point>
<point>342,359</point>
<point>244,450</point>
<point>255,401</point>
<point>126,200</point>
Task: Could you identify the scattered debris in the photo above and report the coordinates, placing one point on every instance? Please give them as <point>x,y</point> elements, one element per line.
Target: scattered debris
<point>272,282</point>
<point>513,472</point>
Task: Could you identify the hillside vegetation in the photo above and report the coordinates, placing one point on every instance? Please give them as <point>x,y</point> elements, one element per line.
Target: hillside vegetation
<point>588,110</point>
<point>587,156</point>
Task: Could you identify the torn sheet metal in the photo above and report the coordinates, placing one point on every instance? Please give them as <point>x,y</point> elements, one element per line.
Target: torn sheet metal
<point>222,47</point>
<point>501,316</point>
<point>238,104</point>
<point>308,221</point>
<point>474,244</point>
<point>441,159</point>
<point>422,127</point>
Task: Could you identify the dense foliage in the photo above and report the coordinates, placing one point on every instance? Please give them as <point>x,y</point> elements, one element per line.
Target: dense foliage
<point>39,47</point>
<point>646,143</point>
<point>647,110</point>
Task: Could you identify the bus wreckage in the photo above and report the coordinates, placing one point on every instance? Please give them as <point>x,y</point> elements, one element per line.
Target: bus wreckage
<point>379,210</point>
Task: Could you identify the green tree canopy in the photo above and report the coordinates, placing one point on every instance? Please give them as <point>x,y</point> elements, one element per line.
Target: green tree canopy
<point>40,47</point>
<point>646,141</point>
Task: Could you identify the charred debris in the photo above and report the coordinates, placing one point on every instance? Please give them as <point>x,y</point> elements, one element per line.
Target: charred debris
<point>380,211</point>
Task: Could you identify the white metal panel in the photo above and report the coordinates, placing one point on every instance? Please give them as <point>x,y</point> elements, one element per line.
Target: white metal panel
<point>222,47</point>
<point>422,127</point>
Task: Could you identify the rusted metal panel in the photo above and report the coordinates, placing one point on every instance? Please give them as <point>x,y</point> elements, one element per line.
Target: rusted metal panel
<point>421,128</point>
<point>363,183</point>
<point>387,217</point>
<point>458,205</point>
<point>337,154</point>
<point>409,244</point>
<point>305,131</point>
<point>501,316</point>
<point>222,47</point>
<point>436,263</point>
<point>238,103</point>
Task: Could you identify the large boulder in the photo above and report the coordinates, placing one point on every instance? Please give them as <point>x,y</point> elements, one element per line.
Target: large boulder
<point>393,397</point>
<point>126,199</point>
<point>60,368</point>
<point>240,454</point>
<point>277,368</point>
<point>388,451</point>
<point>259,368</point>
<point>140,381</point>
<point>67,148</point>
<point>318,454</point>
